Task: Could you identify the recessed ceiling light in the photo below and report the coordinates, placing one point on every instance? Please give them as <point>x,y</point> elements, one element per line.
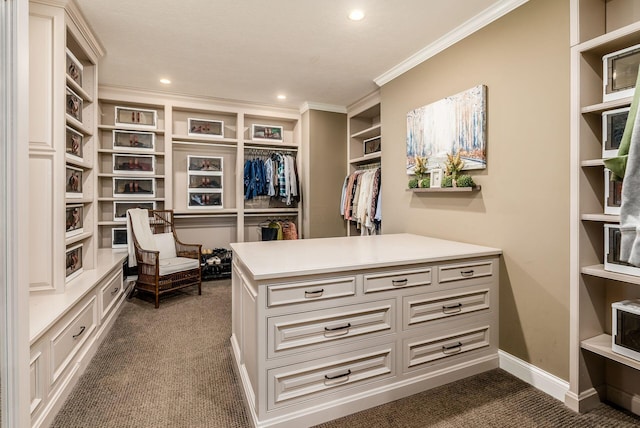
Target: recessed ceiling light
<point>282,97</point>
<point>165,81</point>
<point>356,15</point>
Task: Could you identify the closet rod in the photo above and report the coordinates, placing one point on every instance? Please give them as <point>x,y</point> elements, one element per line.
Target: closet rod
<point>273,215</point>
<point>277,149</point>
<point>194,143</point>
<point>368,166</point>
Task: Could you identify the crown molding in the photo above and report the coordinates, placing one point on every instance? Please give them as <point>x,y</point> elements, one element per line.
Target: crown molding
<point>471,26</point>
<point>309,105</point>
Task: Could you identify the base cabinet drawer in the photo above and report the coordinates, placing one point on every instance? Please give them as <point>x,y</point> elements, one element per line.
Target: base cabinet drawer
<point>421,309</point>
<point>109,293</point>
<point>305,381</point>
<point>419,352</point>
<point>310,291</point>
<point>392,280</point>
<point>36,381</point>
<point>466,273</point>
<point>309,330</point>
<point>69,337</point>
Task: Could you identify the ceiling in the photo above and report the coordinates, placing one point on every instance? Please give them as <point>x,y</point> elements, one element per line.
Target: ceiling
<point>253,50</point>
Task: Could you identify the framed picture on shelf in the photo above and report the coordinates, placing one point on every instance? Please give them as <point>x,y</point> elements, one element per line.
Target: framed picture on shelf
<point>74,220</point>
<point>134,164</point>
<point>73,184</point>
<point>205,181</point>
<point>120,208</point>
<point>204,163</point>
<point>205,127</point>
<point>73,261</point>
<point>204,200</point>
<point>267,133</point>
<point>134,140</point>
<point>74,105</point>
<point>436,177</point>
<point>372,145</point>
<point>73,145</point>
<point>138,117</point>
<point>119,237</point>
<point>134,187</point>
<point>74,68</point>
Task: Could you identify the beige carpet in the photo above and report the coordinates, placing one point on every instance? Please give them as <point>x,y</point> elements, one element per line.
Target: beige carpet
<point>172,367</point>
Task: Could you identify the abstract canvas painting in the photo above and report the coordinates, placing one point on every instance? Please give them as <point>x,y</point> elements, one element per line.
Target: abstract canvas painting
<point>456,124</point>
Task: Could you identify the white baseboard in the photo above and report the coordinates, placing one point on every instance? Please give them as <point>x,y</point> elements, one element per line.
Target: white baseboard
<point>544,381</point>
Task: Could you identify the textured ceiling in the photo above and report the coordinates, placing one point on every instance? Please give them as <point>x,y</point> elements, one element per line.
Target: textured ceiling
<point>252,50</point>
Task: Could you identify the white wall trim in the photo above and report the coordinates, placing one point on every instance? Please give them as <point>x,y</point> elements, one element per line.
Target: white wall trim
<point>14,273</point>
<point>479,21</point>
<point>542,380</point>
<point>309,105</point>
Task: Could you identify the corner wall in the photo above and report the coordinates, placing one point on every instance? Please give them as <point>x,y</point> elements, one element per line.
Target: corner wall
<point>326,167</point>
<point>523,206</point>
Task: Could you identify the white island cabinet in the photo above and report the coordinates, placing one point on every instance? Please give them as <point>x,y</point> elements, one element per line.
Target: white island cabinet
<point>326,327</point>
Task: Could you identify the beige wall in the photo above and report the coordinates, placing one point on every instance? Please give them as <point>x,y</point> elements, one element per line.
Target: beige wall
<point>523,207</point>
<point>326,169</point>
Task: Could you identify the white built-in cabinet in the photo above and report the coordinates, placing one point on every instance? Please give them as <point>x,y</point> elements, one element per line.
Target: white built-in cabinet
<point>598,28</point>
<point>75,287</point>
<point>225,215</point>
<point>364,137</point>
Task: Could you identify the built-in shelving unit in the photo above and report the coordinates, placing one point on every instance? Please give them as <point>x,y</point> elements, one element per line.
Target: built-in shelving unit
<point>596,372</point>
<point>364,126</point>
<point>226,139</point>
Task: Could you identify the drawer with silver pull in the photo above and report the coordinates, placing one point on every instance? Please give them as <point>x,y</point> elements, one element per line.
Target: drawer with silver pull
<point>69,336</point>
<point>466,273</point>
<point>301,382</point>
<point>395,279</point>
<point>419,352</point>
<point>109,293</point>
<point>424,308</point>
<point>310,291</point>
<point>311,330</point>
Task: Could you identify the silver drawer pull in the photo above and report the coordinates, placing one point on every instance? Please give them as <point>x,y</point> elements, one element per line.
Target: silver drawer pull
<point>75,336</point>
<point>456,347</point>
<point>115,290</point>
<point>342,327</point>
<point>466,273</point>
<point>348,372</point>
<point>314,293</point>
<point>399,281</point>
<point>457,307</point>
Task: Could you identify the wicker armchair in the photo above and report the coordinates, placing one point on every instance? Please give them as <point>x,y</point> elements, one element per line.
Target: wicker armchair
<point>164,263</point>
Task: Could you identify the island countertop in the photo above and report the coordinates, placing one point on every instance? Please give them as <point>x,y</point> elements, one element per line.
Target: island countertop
<point>277,259</point>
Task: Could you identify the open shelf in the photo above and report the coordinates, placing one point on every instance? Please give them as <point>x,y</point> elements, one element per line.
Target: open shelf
<point>601,345</point>
<point>445,189</point>
<point>598,271</point>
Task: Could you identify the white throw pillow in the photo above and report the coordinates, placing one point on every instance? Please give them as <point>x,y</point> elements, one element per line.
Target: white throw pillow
<point>166,245</point>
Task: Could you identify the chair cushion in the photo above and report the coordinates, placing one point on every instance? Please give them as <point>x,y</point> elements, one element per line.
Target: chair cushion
<point>166,245</point>
<point>177,264</point>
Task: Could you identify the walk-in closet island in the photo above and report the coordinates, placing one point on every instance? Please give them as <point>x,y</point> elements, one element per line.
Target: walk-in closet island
<point>326,327</point>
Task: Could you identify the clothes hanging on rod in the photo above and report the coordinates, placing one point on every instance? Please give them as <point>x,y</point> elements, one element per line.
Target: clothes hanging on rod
<point>361,202</point>
<point>273,174</point>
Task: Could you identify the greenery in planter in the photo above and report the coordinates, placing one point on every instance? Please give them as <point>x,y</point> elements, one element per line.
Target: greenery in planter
<point>413,183</point>
<point>425,183</point>
<point>465,181</point>
<point>447,181</point>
